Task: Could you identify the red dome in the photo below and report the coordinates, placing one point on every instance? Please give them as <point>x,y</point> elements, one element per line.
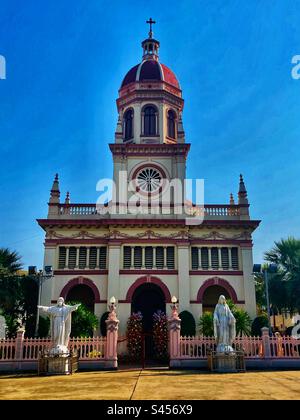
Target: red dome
<point>150,70</point>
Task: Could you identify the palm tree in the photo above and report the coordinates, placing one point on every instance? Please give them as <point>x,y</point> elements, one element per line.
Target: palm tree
<point>10,261</point>
<point>285,284</point>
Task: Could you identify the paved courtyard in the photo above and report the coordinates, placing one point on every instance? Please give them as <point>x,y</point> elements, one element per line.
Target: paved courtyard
<point>154,384</point>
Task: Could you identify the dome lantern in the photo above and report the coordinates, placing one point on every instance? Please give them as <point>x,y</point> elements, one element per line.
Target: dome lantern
<point>150,45</point>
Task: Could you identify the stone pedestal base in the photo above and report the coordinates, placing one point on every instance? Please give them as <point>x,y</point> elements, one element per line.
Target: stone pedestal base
<point>57,364</point>
<point>231,362</point>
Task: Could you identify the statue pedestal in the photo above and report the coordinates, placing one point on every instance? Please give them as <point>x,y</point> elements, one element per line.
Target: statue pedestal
<point>64,364</point>
<point>230,362</point>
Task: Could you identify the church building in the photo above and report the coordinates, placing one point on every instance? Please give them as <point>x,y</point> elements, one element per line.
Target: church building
<point>144,259</point>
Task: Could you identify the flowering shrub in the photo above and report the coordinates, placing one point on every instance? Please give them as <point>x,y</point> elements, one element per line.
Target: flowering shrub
<point>134,335</point>
<point>160,335</point>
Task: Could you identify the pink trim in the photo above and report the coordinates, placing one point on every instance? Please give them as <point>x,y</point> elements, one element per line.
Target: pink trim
<point>216,273</point>
<point>72,241</point>
<point>158,272</point>
<point>216,281</point>
<point>147,279</point>
<point>76,282</point>
<point>142,222</point>
<point>79,272</point>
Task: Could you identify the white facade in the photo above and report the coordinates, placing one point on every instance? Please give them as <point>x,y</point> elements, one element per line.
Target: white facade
<point>104,255</point>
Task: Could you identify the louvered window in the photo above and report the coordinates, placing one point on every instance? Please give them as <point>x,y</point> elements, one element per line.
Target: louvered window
<point>235,258</point>
<point>103,257</point>
<point>72,257</point>
<point>137,257</point>
<point>204,258</point>
<point>159,257</point>
<point>225,258</point>
<point>82,257</point>
<point>62,257</point>
<point>149,257</point>
<point>93,258</point>
<point>195,258</point>
<point>170,258</point>
<point>127,257</point>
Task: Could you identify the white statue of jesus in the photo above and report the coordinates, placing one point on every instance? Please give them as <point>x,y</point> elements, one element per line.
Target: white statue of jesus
<point>224,326</point>
<point>60,316</point>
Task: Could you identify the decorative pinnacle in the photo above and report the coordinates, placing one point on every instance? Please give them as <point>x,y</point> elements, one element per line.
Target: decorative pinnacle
<point>231,199</point>
<point>55,193</point>
<point>242,188</point>
<point>67,200</point>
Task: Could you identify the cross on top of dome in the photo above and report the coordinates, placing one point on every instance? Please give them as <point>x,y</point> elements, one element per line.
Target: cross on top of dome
<point>151,22</point>
<point>150,45</point>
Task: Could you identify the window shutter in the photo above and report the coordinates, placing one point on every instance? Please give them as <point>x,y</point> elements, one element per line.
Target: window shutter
<point>170,258</point>
<point>204,258</point>
<point>102,257</point>
<point>62,257</point>
<point>93,258</point>
<point>195,258</point>
<point>159,257</point>
<point>127,257</point>
<point>72,258</point>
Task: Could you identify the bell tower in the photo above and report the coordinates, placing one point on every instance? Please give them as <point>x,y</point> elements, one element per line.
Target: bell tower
<point>150,140</point>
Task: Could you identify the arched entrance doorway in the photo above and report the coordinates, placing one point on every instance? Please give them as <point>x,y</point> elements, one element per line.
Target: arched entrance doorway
<point>83,294</point>
<point>148,299</point>
<point>211,296</point>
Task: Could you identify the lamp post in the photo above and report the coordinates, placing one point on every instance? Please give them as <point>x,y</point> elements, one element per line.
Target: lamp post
<point>267,268</point>
<point>40,277</point>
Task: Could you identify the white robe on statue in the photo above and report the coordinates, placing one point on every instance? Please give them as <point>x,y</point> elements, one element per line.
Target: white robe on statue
<point>224,327</point>
<point>60,317</point>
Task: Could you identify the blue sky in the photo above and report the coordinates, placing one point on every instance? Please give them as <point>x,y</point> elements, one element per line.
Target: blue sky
<point>65,62</point>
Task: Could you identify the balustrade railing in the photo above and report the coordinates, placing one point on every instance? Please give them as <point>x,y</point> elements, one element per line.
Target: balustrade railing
<point>253,347</point>
<point>208,210</point>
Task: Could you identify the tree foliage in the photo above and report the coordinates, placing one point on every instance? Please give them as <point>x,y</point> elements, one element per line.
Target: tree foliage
<point>84,322</point>
<point>284,285</point>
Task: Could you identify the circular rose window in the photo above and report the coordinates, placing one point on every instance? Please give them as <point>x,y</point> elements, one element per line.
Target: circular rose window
<point>149,180</point>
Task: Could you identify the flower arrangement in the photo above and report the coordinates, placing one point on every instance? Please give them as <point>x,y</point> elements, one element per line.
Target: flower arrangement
<point>134,335</point>
<point>160,335</point>
<point>94,354</point>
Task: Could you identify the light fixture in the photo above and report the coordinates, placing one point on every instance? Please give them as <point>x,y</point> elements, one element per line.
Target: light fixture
<point>174,300</point>
<point>112,300</point>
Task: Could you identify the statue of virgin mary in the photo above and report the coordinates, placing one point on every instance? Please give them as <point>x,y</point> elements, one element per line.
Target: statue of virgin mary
<point>224,326</point>
<point>60,317</point>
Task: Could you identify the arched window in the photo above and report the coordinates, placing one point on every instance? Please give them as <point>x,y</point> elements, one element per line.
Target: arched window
<point>128,124</point>
<point>150,128</point>
<point>171,124</point>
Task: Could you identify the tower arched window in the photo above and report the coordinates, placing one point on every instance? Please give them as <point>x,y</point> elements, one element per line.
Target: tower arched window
<point>128,124</point>
<point>150,124</point>
<point>171,124</point>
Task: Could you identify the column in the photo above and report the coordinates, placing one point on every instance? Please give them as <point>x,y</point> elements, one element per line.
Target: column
<point>249,285</point>
<point>67,257</point>
<point>183,277</point>
<point>132,257</point>
<point>48,285</point>
<point>154,257</point>
<point>111,350</point>
<point>77,258</point>
<point>199,258</point>
<point>143,257</point>
<point>220,258</point>
<point>209,258</point>
<point>230,258</point>
<point>165,257</point>
<point>88,257</point>
<point>113,286</point>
